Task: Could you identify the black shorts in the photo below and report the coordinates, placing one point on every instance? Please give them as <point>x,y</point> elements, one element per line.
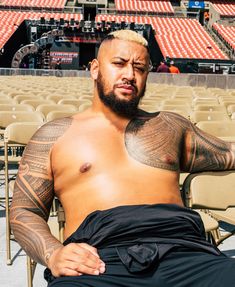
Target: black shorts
<point>180,268</point>
<point>150,245</point>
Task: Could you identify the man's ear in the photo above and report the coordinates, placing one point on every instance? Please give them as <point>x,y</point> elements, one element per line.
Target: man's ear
<point>94,69</point>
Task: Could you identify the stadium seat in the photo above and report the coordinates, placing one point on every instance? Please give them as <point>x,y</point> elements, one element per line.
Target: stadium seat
<point>176,37</point>
<point>210,108</point>
<point>145,6</point>
<point>225,8</point>
<point>16,107</point>
<point>198,116</point>
<point>59,4</point>
<point>45,109</point>
<point>11,20</point>
<point>36,102</point>
<point>59,114</point>
<point>221,129</point>
<point>227,33</point>
<point>212,192</point>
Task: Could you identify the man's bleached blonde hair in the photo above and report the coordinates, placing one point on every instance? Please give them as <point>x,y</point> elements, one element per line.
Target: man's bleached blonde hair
<point>128,35</point>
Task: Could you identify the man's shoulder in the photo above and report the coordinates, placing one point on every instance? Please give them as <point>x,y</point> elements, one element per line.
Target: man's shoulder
<point>53,129</point>
<point>164,115</point>
<point>160,119</point>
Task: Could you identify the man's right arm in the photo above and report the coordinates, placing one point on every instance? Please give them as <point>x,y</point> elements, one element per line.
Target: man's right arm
<point>32,199</point>
<point>31,203</point>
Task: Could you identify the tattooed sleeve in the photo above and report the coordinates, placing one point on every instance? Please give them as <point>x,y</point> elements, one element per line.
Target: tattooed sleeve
<point>33,193</point>
<point>169,141</point>
<point>205,152</point>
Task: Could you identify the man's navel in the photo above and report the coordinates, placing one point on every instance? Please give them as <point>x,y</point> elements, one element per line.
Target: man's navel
<point>85,167</point>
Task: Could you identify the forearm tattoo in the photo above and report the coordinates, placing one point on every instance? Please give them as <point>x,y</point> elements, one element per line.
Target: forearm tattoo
<point>33,193</point>
<point>168,141</point>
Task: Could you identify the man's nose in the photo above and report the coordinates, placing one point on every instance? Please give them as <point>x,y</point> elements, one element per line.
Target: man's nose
<point>129,72</point>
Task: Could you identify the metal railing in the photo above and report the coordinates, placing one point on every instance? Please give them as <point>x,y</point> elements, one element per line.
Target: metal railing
<point>66,9</point>
<point>178,14</point>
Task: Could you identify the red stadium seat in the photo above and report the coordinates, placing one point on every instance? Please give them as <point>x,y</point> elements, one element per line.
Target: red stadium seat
<point>227,33</point>
<point>160,6</point>
<point>59,4</point>
<point>10,20</point>
<point>226,8</point>
<point>176,37</point>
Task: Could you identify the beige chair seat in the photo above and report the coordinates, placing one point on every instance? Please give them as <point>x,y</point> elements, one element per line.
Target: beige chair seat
<point>227,215</point>
<point>209,222</point>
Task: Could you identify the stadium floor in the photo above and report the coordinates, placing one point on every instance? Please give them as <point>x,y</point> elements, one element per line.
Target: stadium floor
<point>16,274</point>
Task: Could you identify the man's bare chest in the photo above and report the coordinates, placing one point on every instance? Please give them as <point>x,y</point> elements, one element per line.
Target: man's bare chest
<point>154,145</point>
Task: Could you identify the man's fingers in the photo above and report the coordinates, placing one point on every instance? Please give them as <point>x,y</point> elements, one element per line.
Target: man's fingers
<point>84,269</point>
<point>92,249</point>
<point>76,259</point>
<point>86,255</point>
<point>69,272</point>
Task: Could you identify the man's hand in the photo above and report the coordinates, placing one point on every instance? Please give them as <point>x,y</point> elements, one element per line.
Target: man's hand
<point>75,259</point>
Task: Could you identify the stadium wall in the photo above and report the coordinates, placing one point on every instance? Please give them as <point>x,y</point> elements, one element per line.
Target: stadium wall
<point>194,80</point>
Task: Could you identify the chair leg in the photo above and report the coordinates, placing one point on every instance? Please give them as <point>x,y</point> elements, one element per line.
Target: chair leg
<point>31,265</point>
<point>8,230</point>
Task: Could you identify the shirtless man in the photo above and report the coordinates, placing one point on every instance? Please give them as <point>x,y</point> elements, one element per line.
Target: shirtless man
<point>115,170</point>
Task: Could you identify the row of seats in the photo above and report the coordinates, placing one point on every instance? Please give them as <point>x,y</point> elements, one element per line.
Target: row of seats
<point>224,7</point>
<point>58,4</point>
<point>176,37</point>
<point>11,20</point>
<point>227,33</point>
<point>161,6</point>
<point>197,104</point>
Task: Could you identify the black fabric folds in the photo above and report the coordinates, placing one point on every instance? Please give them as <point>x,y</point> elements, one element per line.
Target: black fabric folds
<point>143,234</point>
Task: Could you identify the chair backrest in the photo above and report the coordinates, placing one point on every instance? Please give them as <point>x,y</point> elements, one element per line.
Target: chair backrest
<point>228,103</point>
<point>57,98</point>
<point>36,102</point>
<point>20,98</point>
<point>58,114</point>
<point>218,128</point>
<point>20,132</point>
<point>186,109</point>
<point>198,116</point>
<point>231,109</point>
<point>200,101</point>
<point>8,117</point>
<point>177,102</point>
<point>210,190</point>
<point>8,101</point>
<point>74,102</point>
<point>210,108</point>
<point>16,107</point>
<point>45,109</point>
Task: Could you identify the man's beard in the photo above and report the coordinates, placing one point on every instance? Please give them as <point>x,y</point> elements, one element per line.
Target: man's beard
<point>125,108</point>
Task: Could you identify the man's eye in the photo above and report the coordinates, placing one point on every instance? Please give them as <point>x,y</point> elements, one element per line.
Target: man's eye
<point>118,63</point>
<point>140,69</point>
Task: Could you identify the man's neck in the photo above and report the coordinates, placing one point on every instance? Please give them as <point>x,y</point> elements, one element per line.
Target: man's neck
<point>99,107</point>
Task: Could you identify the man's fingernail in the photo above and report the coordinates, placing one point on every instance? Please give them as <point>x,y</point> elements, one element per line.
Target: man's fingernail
<point>102,269</point>
<point>96,272</point>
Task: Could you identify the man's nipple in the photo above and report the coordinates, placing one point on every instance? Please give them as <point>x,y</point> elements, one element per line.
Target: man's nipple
<point>85,167</point>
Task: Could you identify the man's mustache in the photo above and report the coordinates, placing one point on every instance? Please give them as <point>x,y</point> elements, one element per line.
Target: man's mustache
<point>131,83</point>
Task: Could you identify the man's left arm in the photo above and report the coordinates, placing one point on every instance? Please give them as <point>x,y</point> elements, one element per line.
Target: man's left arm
<point>204,152</point>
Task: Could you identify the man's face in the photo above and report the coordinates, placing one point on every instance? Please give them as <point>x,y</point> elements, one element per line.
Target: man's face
<point>122,75</point>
